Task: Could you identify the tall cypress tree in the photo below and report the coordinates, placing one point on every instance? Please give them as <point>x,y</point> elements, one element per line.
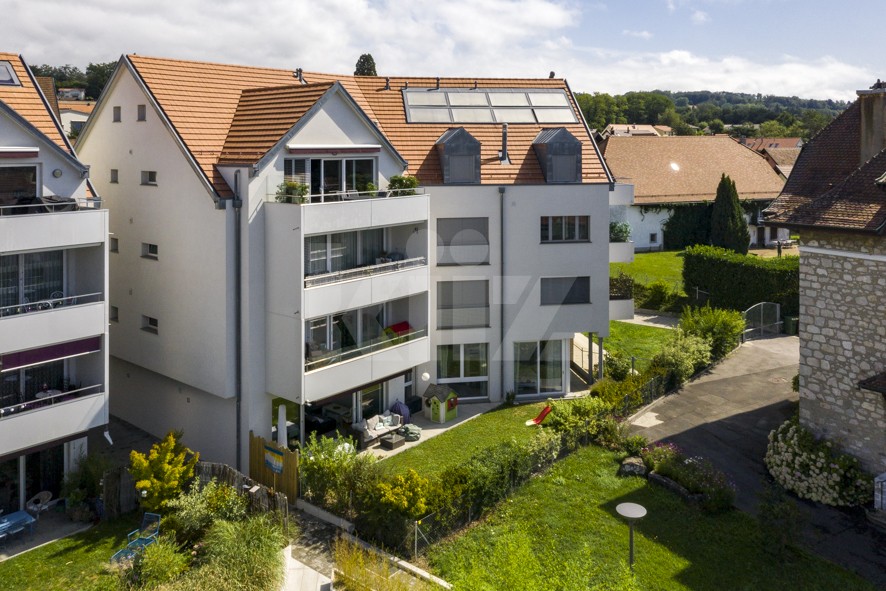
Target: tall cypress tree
<point>365,66</point>
<point>728,226</point>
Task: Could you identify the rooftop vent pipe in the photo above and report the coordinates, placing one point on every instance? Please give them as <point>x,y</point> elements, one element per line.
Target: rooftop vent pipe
<point>300,75</point>
<point>503,155</point>
<point>387,83</point>
<point>438,83</point>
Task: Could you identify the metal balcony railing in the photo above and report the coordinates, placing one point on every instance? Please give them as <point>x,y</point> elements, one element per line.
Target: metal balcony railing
<point>361,272</point>
<point>47,399</point>
<point>56,300</point>
<point>326,358</point>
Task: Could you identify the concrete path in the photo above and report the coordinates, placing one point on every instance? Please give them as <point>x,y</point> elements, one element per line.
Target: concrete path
<point>726,416</point>
<point>300,577</point>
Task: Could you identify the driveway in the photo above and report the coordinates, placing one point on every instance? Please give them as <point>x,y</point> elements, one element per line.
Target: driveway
<point>726,416</point>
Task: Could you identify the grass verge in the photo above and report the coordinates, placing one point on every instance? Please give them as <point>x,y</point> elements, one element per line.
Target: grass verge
<point>652,266</point>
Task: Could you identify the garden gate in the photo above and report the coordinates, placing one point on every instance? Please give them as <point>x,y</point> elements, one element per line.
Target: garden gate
<point>763,319</point>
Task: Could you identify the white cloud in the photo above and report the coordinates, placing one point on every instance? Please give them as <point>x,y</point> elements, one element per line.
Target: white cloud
<point>672,5</point>
<point>418,37</point>
<point>699,17</point>
<point>639,34</point>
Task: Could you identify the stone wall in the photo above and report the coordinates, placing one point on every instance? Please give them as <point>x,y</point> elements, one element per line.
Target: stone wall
<point>843,341</point>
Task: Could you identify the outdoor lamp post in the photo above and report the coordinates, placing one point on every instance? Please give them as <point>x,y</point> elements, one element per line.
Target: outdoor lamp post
<point>631,512</point>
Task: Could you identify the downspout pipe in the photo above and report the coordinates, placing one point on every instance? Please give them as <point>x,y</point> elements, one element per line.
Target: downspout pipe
<point>501,304</point>
<point>238,319</point>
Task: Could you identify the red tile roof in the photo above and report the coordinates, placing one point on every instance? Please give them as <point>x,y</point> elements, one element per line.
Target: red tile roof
<point>687,169</point>
<point>220,111</point>
<point>27,101</point>
<point>827,187</point>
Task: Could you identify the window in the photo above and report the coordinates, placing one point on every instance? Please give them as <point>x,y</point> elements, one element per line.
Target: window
<point>150,251</point>
<point>565,228</point>
<point>151,325</point>
<point>114,314</point>
<point>116,111</point>
<point>77,127</point>
<point>113,244</point>
<point>653,238</point>
<point>7,75</point>
<point>343,251</point>
<point>332,176</point>
<point>295,171</point>
<point>149,177</point>
<point>558,291</point>
<point>17,185</point>
<point>141,113</point>
<point>538,367</point>
<point>462,241</point>
<point>464,368</point>
<point>462,304</point>
<point>28,281</point>
<point>115,176</point>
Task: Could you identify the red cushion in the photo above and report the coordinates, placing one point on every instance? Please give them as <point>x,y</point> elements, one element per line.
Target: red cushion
<point>401,328</point>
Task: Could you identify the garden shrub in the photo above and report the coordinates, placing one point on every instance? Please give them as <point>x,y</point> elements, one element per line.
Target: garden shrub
<point>697,475</point>
<point>361,570</point>
<point>83,484</point>
<point>681,357</point>
<point>621,396</point>
<point>617,365</point>
<point>722,327</point>
<point>387,510</point>
<point>795,383</point>
<point>619,231</point>
<point>403,185</point>
<point>334,475</point>
<point>660,295</point>
<point>249,551</point>
<point>687,225</point>
<point>163,474</point>
<point>737,281</point>
<point>813,469</point>
<point>194,511</point>
<point>576,420</point>
<point>634,444</point>
<point>159,563</point>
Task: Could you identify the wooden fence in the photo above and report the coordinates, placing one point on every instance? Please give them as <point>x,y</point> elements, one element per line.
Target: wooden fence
<point>118,493</point>
<point>260,497</point>
<point>285,482</point>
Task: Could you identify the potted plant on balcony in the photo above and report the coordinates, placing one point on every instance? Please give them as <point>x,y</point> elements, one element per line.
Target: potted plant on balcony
<point>402,185</point>
<point>292,192</point>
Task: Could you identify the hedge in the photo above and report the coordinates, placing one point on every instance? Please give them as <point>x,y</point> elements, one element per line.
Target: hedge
<point>738,281</point>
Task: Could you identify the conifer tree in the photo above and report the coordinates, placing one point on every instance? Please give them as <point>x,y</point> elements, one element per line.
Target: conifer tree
<point>728,226</point>
<point>162,475</point>
<point>365,66</point>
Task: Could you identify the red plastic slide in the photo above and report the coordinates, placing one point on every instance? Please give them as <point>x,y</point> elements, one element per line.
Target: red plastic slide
<point>541,416</point>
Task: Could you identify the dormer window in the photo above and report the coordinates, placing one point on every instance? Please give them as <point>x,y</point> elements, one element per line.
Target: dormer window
<point>7,75</point>
<point>559,155</point>
<point>459,155</point>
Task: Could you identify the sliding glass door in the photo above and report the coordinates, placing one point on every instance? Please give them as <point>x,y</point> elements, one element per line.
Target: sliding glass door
<point>538,367</point>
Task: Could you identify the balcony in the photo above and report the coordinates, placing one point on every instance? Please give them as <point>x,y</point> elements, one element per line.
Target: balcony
<point>621,252</point>
<point>621,194</point>
<point>363,272</point>
<point>339,196</point>
<point>621,297</point>
<point>52,226</point>
<point>59,415</point>
<point>346,370</point>
<point>26,326</point>
<point>327,358</point>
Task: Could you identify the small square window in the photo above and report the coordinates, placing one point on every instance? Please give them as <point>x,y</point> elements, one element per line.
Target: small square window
<point>116,114</point>
<point>114,314</point>
<point>149,177</point>
<point>142,112</point>
<point>113,245</point>
<point>653,238</point>
<point>115,176</point>
<point>151,325</point>
<point>150,251</point>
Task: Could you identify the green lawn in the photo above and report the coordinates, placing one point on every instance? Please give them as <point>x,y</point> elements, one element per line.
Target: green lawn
<point>461,442</point>
<point>561,531</point>
<point>77,562</point>
<point>637,340</point>
<point>652,266</point>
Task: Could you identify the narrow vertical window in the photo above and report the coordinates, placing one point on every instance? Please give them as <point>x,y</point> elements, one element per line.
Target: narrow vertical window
<point>116,111</point>
<point>141,111</point>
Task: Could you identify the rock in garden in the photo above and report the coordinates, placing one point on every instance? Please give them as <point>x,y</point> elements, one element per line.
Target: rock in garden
<point>632,466</point>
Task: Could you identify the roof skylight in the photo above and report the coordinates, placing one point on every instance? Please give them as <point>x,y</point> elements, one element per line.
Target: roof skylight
<point>487,105</point>
<point>7,75</point>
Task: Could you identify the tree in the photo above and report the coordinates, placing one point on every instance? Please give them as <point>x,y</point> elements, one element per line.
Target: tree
<point>365,66</point>
<point>66,76</point>
<point>162,475</point>
<point>96,77</point>
<point>728,226</point>
<point>716,126</point>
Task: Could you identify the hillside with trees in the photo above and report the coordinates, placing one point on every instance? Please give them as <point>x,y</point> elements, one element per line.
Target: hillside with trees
<point>689,113</point>
<point>68,76</point>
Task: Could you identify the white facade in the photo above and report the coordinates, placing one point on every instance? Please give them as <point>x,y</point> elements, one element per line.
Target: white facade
<point>339,297</point>
<point>53,312</point>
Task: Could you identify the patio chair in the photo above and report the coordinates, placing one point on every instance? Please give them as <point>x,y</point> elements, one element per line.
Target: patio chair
<point>39,502</point>
<point>146,534</point>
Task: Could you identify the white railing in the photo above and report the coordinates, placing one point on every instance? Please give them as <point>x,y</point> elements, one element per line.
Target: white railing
<point>339,196</point>
<point>328,358</point>
<point>50,303</point>
<point>45,204</point>
<point>48,400</point>
<point>368,271</point>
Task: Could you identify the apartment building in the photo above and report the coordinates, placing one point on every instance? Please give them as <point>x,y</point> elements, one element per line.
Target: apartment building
<point>261,251</point>
<point>53,282</point>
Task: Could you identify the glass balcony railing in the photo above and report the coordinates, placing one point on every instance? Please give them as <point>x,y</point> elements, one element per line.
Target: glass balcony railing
<point>362,272</point>
<point>321,359</point>
<point>17,205</point>
<point>55,300</point>
<point>46,399</point>
<point>339,196</point>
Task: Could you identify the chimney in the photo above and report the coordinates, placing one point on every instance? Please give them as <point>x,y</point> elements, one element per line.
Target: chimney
<point>873,120</point>
<point>503,155</point>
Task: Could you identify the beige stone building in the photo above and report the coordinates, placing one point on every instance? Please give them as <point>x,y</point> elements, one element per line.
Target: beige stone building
<point>836,199</point>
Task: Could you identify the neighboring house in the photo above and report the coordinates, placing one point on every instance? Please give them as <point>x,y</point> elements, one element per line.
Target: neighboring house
<point>670,171</point>
<point>53,309</point>
<point>73,115</point>
<point>664,130</point>
<point>72,94</point>
<point>226,298</point>
<point>781,159</point>
<point>631,130</point>
<point>836,199</point>
<point>759,144</point>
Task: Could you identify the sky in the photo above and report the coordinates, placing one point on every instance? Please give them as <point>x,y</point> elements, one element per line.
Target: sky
<point>807,48</point>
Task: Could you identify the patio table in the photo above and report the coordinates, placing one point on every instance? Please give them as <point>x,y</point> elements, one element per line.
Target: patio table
<point>23,518</point>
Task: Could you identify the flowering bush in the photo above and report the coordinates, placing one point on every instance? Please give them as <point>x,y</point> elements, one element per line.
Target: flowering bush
<point>695,474</point>
<point>814,470</point>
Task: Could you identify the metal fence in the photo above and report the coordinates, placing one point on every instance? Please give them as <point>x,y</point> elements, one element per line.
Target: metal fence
<point>761,320</point>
